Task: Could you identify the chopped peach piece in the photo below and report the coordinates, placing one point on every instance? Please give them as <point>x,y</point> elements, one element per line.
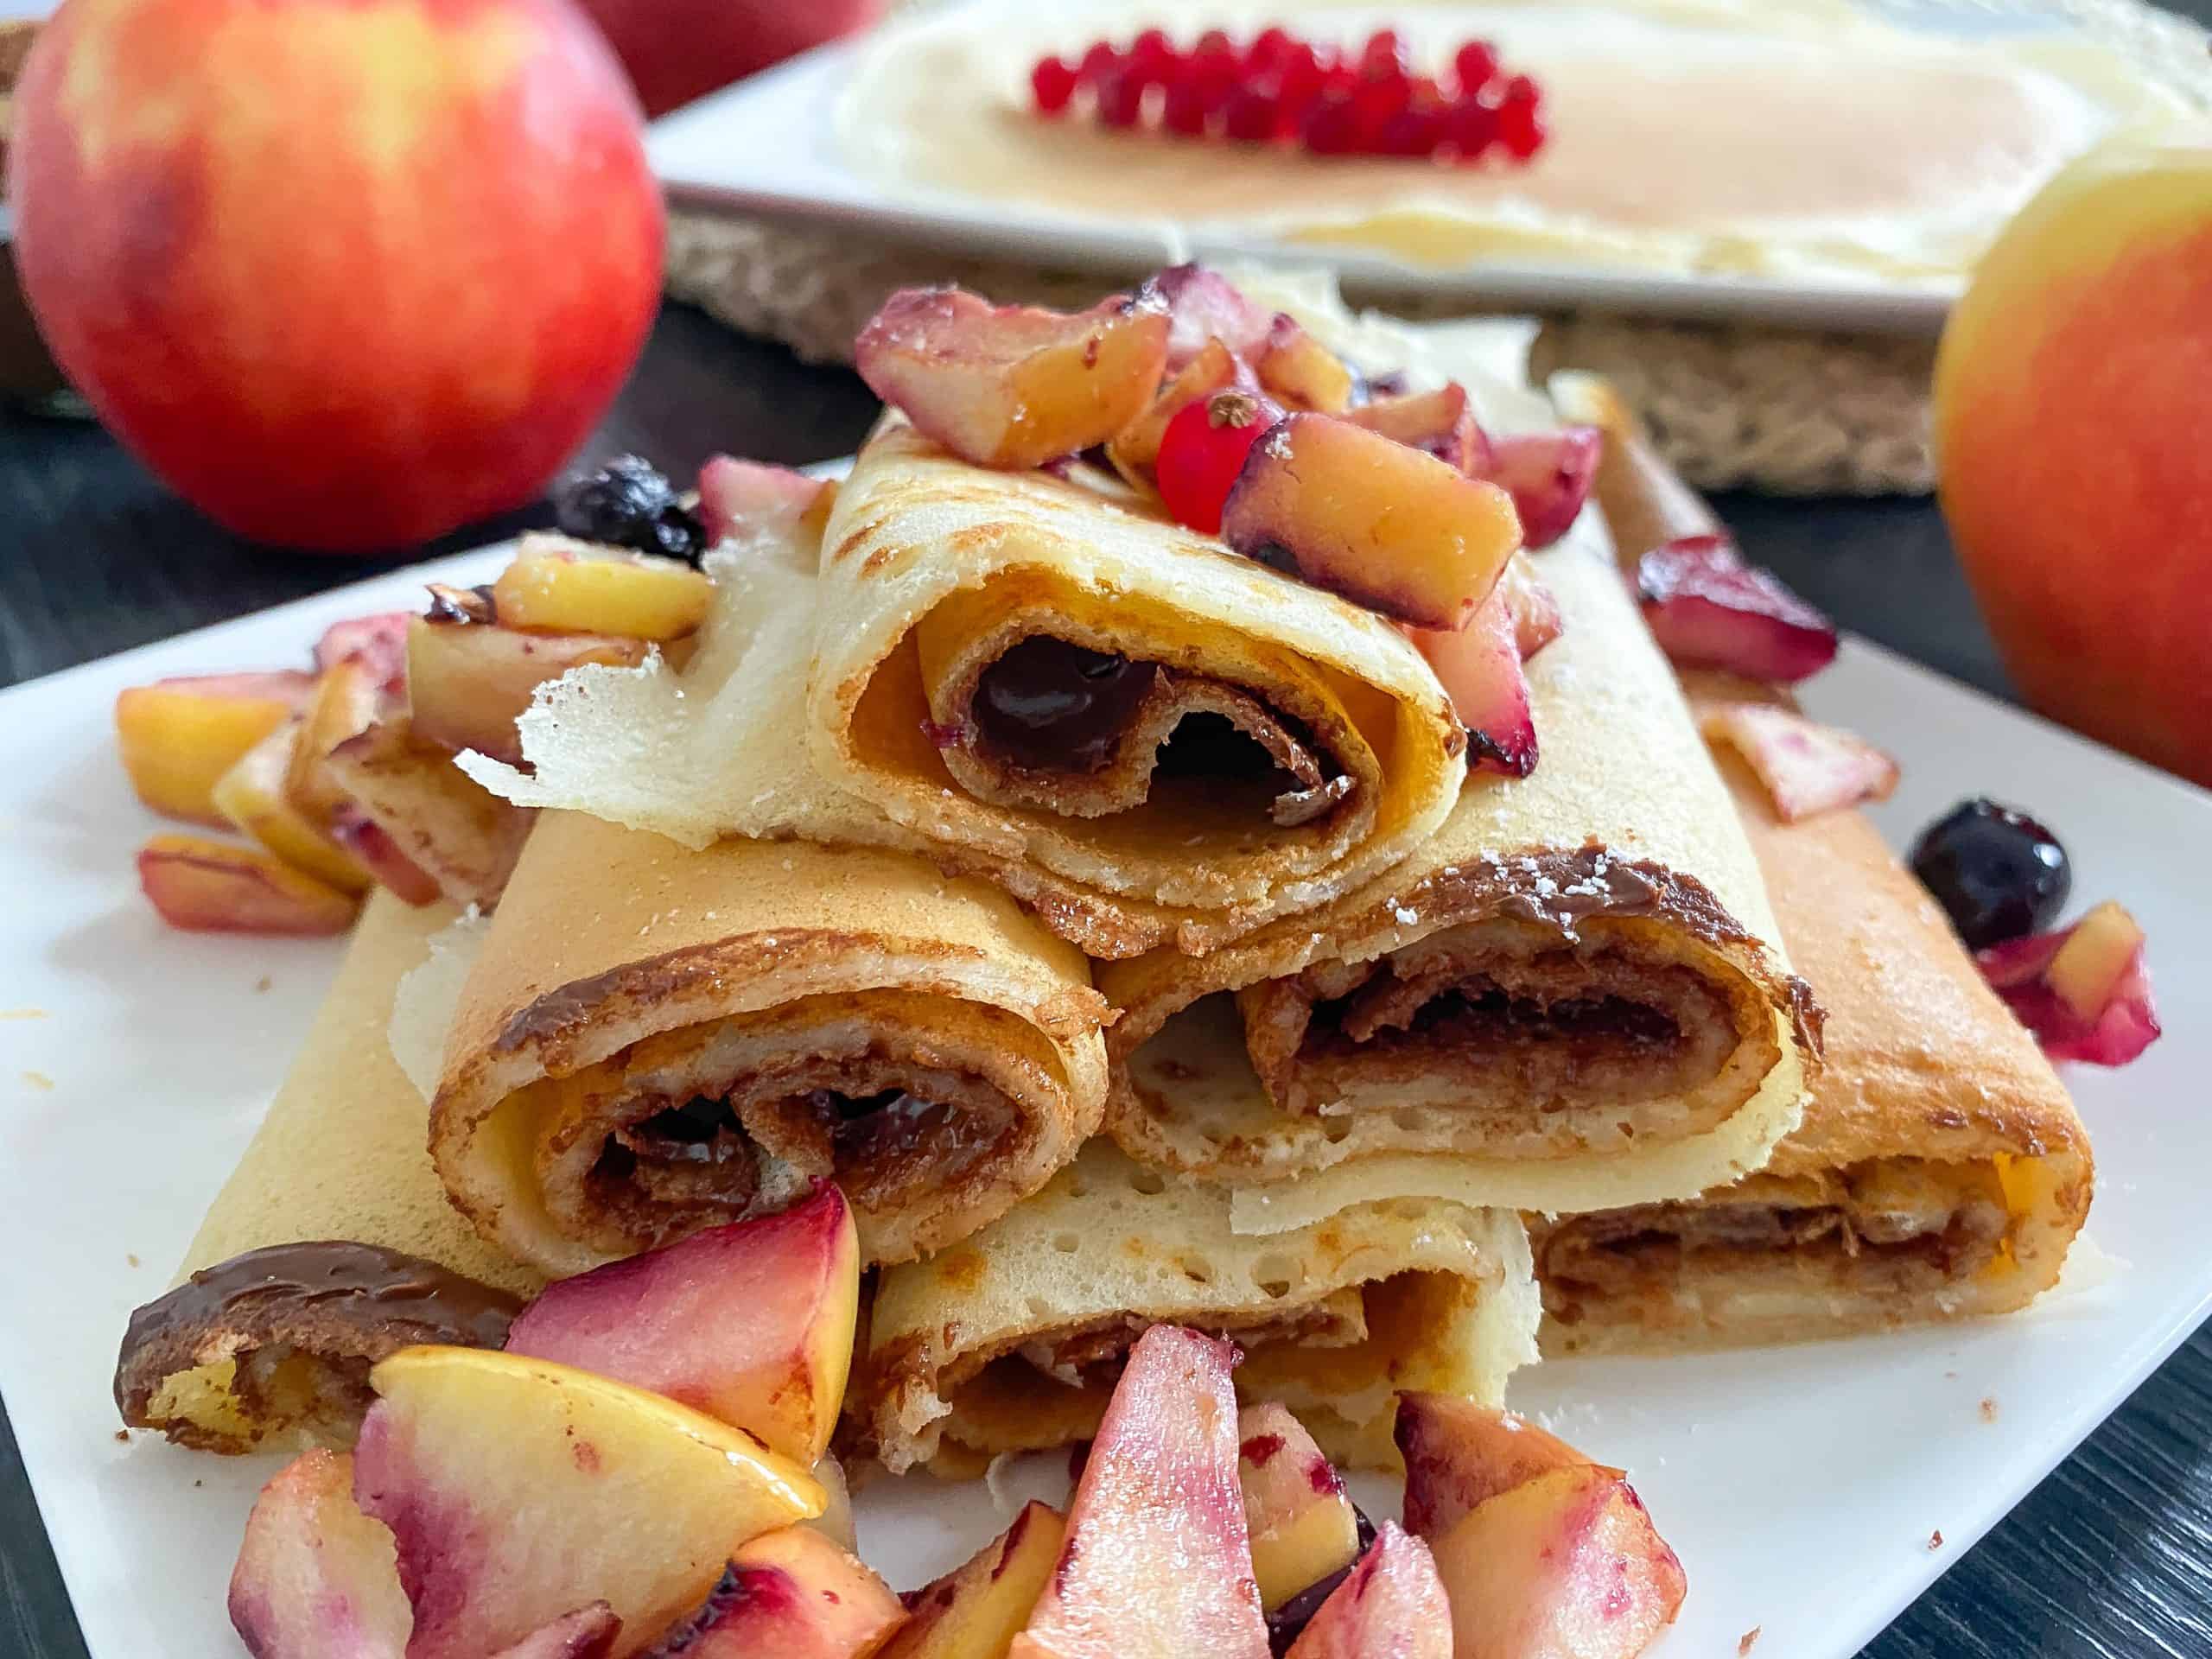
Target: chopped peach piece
<point>215,886</point>
<point>466,683</point>
<point>251,797</point>
<point>1383,524</point>
<point>1301,372</point>
<point>557,586</point>
<point>347,700</point>
<point>1439,422</point>
<point>743,496</point>
<point>455,834</point>
<point>1135,448</point>
<point>1014,386</point>
<point>178,736</point>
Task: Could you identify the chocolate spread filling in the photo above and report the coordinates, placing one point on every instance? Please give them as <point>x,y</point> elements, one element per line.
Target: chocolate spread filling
<point>344,1304</point>
<point>1049,705</point>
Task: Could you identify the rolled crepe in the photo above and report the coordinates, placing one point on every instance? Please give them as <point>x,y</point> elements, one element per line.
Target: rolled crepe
<point>332,1243</point>
<point>1940,1171</point>
<point>1151,738</point>
<point>1012,1340</point>
<point>1573,987</point>
<point>653,1041</point>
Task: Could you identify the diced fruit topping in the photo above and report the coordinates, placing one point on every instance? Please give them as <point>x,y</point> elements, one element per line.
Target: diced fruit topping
<point>1126,1586</point>
<point>1302,372</point>
<point>1440,423</point>
<point>1709,609</point>
<point>555,586</point>
<point>975,1611</point>
<point>1808,768</point>
<point>1014,386</point>
<point>1459,1455</point>
<point>1367,98</point>
<point>1135,448</point>
<point>629,503</point>
<point>1548,474</point>
<point>2084,990</point>
<point>372,844</point>
<point>178,737</point>
<point>1301,1523</point>
<point>789,1594</point>
<point>379,643</point>
<point>316,1577</point>
<point>1479,667</point>
<point>742,497</point>
<point>1203,305</point>
<point>1535,608</point>
<point>251,795</point>
<point>514,1487</point>
<point>213,887</point>
<point>586,1633</point>
<point>412,804</point>
<point>1203,450</point>
<point>1540,1550</point>
<point>1997,874</point>
<point>751,1322</point>
<point>1391,1606</point>
<point>1383,524</point>
<point>467,685</point>
<point>1566,1563</point>
<point>349,699</point>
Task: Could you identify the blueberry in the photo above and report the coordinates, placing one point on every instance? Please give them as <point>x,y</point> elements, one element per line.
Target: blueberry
<point>1999,872</point>
<point>629,503</point>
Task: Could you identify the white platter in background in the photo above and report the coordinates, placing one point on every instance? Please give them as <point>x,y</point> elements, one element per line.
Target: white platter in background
<point>1801,1486</point>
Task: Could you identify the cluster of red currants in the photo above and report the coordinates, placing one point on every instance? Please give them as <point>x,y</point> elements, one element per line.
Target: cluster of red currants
<point>1283,90</point>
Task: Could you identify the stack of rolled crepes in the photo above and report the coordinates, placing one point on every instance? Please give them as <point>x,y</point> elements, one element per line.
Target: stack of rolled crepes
<point>1115,920</point>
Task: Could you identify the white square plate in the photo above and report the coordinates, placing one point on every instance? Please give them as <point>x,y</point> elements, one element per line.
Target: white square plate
<point>1802,1486</point>
<point>768,145</point>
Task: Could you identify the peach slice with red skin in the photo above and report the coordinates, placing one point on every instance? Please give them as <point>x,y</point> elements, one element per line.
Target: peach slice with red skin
<point>316,1577</point>
<point>1014,386</point>
<point>1388,527</point>
<point>789,1594</point>
<point>1459,1455</point>
<point>1299,372</point>
<point>1300,1522</point>
<point>178,736</point>
<point>1129,1584</point>
<point>751,1322</point>
<point>1536,619</point>
<point>215,886</point>
<point>2084,991</point>
<point>1203,305</point>
<point>1439,423</point>
<point>514,1487</point>
<point>1567,1564</point>
<point>466,683</point>
<point>1806,768</point>
<point>1479,667</point>
<point>588,1633</point>
<point>453,835</point>
<point>975,1611</point>
<point>252,796</point>
<point>378,642</point>
<point>1391,1606</point>
<point>751,496</point>
<point>1708,609</point>
<point>1548,474</point>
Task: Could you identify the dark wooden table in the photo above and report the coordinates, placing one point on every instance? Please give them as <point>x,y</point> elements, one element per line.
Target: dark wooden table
<point>2112,1557</point>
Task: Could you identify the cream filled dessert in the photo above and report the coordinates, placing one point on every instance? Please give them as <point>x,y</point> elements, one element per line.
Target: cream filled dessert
<point>1785,137</point>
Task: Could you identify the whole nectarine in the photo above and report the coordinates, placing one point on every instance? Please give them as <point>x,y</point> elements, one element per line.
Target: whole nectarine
<point>347,273</point>
<point>2074,437</point>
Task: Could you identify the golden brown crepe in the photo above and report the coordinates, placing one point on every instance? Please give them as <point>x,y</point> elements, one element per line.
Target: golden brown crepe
<point>1012,1339</point>
<point>1573,987</point>
<point>1940,1171</point>
<point>259,1340</point>
<point>1274,745</point>
<point>653,1040</point>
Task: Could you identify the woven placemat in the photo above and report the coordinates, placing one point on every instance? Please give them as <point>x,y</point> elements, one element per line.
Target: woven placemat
<point>1732,405</point>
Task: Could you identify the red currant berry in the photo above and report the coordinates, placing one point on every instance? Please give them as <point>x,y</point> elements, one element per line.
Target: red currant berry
<point>1521,130</point>
<point>1215,43</point>
<point>1052,83</point>
<point>1413,131</point>
<point>1330,126</point>
<point>1476,63</point>
<point>1520,90</point>
<point>1251,116</point>
<point>1375,103</point>
<point>1268,47</point>
<point>1470,128</point>
<point>1384,57</point>
<point>1186,108</point>
<point>1098,61</point>
<point>1120,99</point>
<point>1203,450</point>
